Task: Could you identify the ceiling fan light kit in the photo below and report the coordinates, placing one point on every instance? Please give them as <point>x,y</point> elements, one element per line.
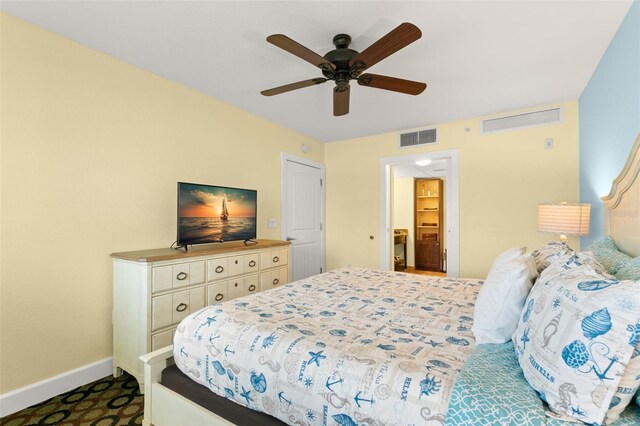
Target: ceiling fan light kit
<point>342,65</point>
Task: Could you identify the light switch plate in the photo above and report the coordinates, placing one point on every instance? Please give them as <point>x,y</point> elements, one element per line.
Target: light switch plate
<point>548,143</point>
<point>272,223</point>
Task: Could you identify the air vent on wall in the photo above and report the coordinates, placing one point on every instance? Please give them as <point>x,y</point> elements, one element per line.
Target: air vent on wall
<point>528,119</point>
<point>421,137</point>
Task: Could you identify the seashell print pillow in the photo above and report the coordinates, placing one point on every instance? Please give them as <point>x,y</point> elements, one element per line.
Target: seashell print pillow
<point>546,254</point>
<point>577,340</point>
<point>567,266</point>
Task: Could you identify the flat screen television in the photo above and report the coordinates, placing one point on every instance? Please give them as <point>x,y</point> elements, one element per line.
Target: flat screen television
<point>215,214</point>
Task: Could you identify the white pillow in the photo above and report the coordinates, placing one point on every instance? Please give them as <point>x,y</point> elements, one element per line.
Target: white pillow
<point>502,296</point>
<point>576,340</point>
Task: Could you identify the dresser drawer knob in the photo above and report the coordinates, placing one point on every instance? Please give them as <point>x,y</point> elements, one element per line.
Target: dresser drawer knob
<point>181,276</point>
<point>252,287</point>
<point>276,259</point>
<point>181,307</point>
<point>236,261</point>
<point>219,297</point>
<point>235,285</point>
<point>252,264</point>
<point>219,269</point>
<point>276,281</point>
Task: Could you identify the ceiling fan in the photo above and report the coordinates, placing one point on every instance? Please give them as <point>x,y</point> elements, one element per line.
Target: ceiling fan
<point>343,64</point>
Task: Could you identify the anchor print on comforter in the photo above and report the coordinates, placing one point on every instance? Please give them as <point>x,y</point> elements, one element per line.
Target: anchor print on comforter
<point>346,347</point>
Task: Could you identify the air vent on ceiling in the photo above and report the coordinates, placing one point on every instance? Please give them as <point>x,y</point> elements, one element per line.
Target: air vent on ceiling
<point>421,137</point>
<point>528,119</point>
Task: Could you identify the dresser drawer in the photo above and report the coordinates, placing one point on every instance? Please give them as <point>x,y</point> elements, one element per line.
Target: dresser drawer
<point>217,269</point>
<point>170,309</point>
<point>251,263</point>
<point>274,278</point>
<point>274,258</point>
<point>176,276</point>
<point>236,265</point>
<point>251,284</point>
<point>217,293</point>
<point>235,288</point>
<point>162,339</point>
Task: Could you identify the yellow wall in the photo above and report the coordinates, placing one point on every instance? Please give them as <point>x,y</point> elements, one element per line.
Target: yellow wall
<point>503,176</point>
<point>402,212</point>
<point>91,152</point>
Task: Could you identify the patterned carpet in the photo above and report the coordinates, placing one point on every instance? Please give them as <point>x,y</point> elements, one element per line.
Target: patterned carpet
<point>105,402</point>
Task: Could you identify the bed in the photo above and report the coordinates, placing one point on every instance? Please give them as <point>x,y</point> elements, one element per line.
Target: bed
<point>350,346</point>
<point>357,346</point>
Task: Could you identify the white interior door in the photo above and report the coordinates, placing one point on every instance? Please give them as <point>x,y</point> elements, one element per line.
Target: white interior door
<point>303,216</point>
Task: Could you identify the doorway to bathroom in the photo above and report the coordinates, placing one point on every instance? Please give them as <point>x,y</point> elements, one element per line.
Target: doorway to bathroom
<point>420,231</point>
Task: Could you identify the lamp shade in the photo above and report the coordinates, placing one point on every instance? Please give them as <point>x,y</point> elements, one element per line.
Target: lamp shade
<point>564,218</point>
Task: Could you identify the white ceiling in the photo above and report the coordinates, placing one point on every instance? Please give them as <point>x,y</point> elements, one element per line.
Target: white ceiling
<point>437,168</point>
<point>477,57</point>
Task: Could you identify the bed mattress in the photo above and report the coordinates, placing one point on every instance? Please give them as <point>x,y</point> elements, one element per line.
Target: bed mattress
<point>349,346</point>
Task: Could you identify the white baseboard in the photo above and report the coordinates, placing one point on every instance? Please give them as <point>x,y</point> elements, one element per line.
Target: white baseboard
<point>19,399</point>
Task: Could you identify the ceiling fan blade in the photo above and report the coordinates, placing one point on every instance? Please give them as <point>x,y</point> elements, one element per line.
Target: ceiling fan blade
<point>403,35</point>
<point>341,101</point>
<point>293,86</point>
<point>391,83</point>
<point>295,48</point>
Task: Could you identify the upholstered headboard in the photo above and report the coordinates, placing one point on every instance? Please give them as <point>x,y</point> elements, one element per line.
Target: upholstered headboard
<point>622,205</point>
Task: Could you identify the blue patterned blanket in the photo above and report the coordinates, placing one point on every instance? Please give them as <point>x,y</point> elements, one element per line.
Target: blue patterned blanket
<point>491,390</point>
<point>348,347</point>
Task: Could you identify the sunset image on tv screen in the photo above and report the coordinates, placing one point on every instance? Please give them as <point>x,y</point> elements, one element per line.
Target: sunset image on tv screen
<point>209,214</point>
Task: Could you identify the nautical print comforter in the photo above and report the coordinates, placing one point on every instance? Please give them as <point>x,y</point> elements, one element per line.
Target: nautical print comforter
<point>351,346</point>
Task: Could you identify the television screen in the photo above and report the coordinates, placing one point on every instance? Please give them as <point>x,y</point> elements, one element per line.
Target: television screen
<point>211,214</point>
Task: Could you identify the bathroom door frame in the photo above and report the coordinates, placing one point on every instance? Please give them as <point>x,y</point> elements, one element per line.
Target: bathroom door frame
<point>452,205</point>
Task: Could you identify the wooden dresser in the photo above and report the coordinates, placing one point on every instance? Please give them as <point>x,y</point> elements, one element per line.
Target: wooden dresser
<point>153,290</point>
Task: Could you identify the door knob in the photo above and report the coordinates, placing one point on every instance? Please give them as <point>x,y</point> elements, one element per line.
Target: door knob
<point>290,239</point>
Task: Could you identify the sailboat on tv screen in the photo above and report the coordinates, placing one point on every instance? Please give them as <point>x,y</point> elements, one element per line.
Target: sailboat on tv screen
<point>224,214</point>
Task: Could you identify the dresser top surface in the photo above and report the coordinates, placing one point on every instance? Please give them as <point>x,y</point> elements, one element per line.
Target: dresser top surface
<point>156,255</point>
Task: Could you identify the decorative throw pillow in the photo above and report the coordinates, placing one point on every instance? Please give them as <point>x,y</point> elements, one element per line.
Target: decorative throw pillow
<point>502,296</point>
<point>577,341</point>
<point>567,266</point>
<point>630,270</point>
<point>550,252</point>
<point>624,267</point>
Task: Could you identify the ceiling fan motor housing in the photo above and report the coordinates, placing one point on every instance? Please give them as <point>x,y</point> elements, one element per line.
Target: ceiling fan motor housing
<point>340,57</point>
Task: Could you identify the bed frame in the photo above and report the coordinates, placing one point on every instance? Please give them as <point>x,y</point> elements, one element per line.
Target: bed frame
<point>622,205</point>
<point>164,407</point>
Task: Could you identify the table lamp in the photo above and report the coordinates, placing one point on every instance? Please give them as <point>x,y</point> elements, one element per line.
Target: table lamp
<point>564,219</point>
